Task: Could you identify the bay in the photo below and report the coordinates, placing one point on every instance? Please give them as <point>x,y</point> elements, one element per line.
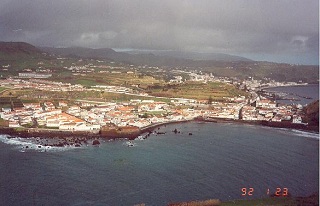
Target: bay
<point>298,92</point>
<point>216,161</point>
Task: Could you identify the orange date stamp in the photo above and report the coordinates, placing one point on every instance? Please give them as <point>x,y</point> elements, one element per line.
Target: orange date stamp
<point>278,192</point>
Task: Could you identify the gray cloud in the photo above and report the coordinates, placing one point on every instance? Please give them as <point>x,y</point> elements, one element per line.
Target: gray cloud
<point>286,27</point>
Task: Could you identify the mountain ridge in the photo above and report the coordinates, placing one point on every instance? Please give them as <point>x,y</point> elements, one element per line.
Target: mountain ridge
<point>154,58</point>
<point>21,55</point>
<point>196,56</point>
<point>18,48</point>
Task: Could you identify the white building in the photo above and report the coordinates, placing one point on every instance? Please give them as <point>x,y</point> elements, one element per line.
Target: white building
<point>34,75</point>
<point>296,119</point>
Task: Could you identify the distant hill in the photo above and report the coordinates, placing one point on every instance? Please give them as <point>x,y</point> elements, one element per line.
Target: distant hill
<point>112,55</point>
<point>16,56</point>
<point>22,55</point>
<point>154,58</point>
<point>80,52</point>
<point>194,55</point>
<point>16,49</point>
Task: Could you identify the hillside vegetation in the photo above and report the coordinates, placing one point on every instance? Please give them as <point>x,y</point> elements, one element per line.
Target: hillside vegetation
<point>312,113</point>
<point>20,55</point>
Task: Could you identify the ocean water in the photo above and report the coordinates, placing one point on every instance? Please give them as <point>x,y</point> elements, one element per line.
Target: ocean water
<point>216,161</point>
<point>299,92</point>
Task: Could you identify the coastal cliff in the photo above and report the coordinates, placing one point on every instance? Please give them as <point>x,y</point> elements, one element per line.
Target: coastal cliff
<point>312,113</point>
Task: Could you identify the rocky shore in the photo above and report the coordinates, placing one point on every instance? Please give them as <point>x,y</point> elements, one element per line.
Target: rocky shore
<point>56,138</point>
<point>152,127</point>
<point>53,138</point>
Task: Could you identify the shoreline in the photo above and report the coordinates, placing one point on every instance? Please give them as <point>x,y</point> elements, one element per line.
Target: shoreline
<point>51,138</point>
<point>294,98</point>
<point>280,86</point>
<point>53,133</point>
<point>287,125</point>
<point>152,127</point>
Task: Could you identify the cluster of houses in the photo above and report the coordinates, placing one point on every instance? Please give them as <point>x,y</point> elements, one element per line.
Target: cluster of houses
<point>254,84</point>
<point>34,75</point>
<point>114,89</point>
<point>140,113</point>
<point>43,85</point>
<point>268,110</point>
<point>46,85</point>
<point>225,110</point>
<point>44,116</point>
<point>81,118</point>
<point>81,69</point>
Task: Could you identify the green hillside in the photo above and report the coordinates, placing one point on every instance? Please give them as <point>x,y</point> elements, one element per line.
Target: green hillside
<point>20,55</point>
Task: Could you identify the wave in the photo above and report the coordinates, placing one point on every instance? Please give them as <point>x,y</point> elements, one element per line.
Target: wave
<point>305,134</point>
<point>296,132</point>
<point>30,144</point>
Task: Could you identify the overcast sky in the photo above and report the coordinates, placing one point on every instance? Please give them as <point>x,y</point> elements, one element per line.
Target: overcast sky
<point>272,30</point>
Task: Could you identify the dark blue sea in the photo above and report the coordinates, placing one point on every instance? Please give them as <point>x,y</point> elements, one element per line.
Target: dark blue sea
<point>299,93</point>
<point>216,161</point>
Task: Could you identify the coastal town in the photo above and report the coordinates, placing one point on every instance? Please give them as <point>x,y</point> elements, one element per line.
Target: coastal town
<point>173,103</point>
<point>142,110</point>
